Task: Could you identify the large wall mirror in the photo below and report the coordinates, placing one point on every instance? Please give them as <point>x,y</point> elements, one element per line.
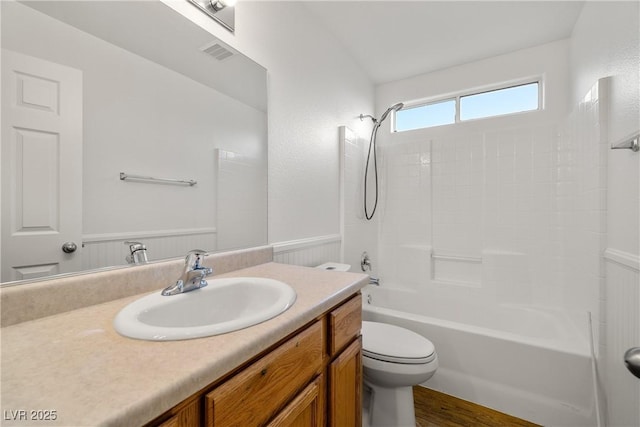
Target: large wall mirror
<point>95,89</point>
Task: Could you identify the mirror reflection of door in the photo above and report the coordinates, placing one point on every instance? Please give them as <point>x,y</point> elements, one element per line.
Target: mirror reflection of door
<point>41,167</point>
<point>154,103</point>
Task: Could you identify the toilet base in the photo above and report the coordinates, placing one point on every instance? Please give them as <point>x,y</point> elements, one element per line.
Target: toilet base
<point>391,407</point>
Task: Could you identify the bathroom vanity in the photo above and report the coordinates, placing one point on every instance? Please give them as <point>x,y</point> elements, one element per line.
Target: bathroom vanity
<point>302,367</point>
<point>312,374</point>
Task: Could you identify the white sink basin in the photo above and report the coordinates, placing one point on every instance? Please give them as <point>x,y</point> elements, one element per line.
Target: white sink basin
<point>225,305</point>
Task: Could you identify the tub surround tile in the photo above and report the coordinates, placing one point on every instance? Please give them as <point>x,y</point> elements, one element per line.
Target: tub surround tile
<point>76,364</point>
<point>48,297</point>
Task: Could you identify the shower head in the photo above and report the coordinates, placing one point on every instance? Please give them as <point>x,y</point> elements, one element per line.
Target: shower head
<point>394,107</point>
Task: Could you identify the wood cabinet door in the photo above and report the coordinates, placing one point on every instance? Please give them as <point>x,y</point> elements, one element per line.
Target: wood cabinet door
<point>254,395</point>
<point>345,387</point>
<point>305,410</point>
<point>186,417</point>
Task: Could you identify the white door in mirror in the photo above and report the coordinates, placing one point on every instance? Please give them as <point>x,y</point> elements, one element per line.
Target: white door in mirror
<point>41,167</point>
<point>225,305</point>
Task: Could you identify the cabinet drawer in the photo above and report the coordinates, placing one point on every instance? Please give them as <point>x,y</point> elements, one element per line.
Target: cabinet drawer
<point>254,395</point>
<point>345,323</point>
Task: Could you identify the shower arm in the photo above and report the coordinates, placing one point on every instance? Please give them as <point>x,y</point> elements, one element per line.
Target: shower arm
<point>394,107</point>
<point>363,116</point>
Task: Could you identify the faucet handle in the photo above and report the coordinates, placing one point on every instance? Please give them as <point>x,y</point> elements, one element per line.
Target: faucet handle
<point>134,246</point>
<point>137,253</point>
<point>194,258</point>
<point>365,261</point>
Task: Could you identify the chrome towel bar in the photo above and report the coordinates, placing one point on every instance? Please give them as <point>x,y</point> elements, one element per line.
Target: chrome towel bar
<point>124,176</point>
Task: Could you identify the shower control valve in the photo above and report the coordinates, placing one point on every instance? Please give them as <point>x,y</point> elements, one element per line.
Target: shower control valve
<point>365,262</point>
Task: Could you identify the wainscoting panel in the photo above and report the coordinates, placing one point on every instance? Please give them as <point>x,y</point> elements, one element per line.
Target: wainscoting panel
<point>308,252</point>
<point>106,250</point>
<point>622,331</point>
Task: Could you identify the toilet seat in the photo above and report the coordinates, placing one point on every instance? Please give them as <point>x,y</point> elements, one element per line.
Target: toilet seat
<point>390,343</point>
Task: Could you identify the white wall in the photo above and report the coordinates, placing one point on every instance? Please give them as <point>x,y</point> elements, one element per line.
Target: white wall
<point>314,87</point>
<point>605,43</point>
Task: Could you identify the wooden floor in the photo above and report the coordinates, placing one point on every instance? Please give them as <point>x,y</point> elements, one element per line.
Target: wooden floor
<point>434,409</point>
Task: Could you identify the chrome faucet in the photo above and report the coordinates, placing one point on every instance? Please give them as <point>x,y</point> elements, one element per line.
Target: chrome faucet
<point>193,275</point>
<point>374,280</point>
<point>138,253</point>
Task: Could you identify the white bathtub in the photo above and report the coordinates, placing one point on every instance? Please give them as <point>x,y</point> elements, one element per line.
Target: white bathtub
<point>528,362</point>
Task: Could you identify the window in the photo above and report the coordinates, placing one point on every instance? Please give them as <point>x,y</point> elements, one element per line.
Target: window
<point>470,106</point>
<point>515,99</point>
<point>426,116</point>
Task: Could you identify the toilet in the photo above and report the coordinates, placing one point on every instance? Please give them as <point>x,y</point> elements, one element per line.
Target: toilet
<point>394,360</point>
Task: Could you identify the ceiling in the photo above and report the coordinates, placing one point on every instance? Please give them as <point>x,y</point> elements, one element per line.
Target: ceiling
<point>393,40</point>
<point>141,28</point>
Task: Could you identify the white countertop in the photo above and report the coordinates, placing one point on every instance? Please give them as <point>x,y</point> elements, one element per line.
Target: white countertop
<point>77,365</point>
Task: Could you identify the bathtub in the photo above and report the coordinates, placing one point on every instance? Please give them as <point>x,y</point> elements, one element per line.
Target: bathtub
<point>532,363</point>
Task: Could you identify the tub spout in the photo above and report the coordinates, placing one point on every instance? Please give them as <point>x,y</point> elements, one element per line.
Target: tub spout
<point>374,280</point>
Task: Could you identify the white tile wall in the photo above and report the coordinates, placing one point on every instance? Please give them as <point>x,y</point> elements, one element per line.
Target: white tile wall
<point>472,195</point>
<point>241,193</point>
<point>457,195</point>
<point>405,221</point>
<point>529,199</point>
<point>581,196</point>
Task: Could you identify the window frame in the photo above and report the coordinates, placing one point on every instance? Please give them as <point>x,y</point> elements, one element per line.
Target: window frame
<point>470,92</point>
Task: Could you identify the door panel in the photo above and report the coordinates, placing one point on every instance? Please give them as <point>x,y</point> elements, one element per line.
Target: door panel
<point>41,167</point>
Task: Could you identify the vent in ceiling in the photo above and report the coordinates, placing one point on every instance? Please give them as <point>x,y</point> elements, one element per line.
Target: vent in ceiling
<point>219,51</point>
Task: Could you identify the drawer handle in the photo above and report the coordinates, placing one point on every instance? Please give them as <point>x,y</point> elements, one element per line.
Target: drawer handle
<point>263,372</point>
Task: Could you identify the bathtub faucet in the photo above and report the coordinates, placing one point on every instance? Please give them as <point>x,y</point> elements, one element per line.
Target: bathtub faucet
<point>374,280</point>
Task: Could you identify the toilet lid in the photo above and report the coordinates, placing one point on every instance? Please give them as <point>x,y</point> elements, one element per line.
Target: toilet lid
<point>391,343</point>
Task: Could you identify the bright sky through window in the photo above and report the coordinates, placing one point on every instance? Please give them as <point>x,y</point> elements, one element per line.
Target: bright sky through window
<point>499,102</point>
<point>509,100</point>
<point>425,116</point>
